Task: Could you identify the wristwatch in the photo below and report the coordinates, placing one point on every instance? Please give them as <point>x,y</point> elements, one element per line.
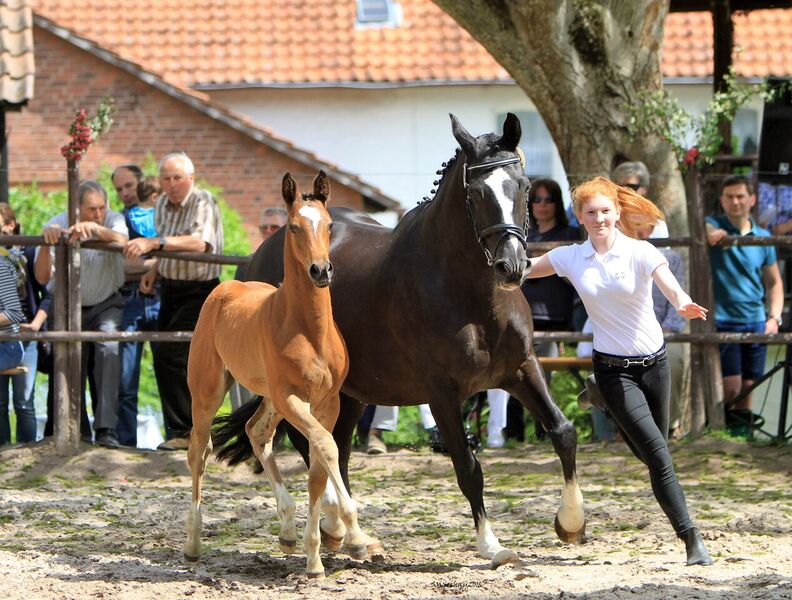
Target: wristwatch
<point>777,319</point>
<point>162,245</point>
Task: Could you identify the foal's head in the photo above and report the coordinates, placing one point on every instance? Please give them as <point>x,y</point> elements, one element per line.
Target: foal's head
<point>496,189</point>
<point>308,228</point>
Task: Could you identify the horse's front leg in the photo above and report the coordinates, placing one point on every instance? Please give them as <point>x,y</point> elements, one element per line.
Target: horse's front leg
<point>531,389</point>
<point>470,479</point>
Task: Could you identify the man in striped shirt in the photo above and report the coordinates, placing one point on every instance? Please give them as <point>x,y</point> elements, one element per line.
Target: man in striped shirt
<point>101,277</point>
<point>187,220</point>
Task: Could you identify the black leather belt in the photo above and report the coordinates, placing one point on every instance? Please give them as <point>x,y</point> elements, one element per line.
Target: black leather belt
<point>629,361</point>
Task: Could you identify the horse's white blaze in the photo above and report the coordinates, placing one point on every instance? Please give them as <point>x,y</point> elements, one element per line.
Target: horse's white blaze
<point>313,215</point>
<point>571,516</point>
<point>488,544</point>
<point>495,182</point>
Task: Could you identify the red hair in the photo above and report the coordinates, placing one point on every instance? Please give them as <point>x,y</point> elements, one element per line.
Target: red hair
<point>635,209</point>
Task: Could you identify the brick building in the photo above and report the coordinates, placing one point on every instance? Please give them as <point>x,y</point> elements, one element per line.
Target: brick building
<point>156,117</point>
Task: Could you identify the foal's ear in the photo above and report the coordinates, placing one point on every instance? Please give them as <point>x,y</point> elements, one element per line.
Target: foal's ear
<point>289,189</point>
<point>466,141</point>
<point>512,132</point>
<point>321,187</point>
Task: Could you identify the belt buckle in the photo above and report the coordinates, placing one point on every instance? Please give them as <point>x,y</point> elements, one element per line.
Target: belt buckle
<point>626,363</point>
<point>646,361</point>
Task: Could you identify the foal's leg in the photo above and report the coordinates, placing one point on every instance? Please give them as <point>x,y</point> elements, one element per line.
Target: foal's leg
<point>325,452</point>
<point>532,391</point>
<point>261,429</point>
<point>208,383</point>
<point>470,479</point>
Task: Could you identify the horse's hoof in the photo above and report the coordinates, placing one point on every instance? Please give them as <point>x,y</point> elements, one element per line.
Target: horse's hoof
<point>376,551</point>
<point>330,543</point>
<point>357,551</point>
<point>191,551</point>
<point>570,537</point>
<point>503,557</point>
<point>315,574</point>
<point>287,546</point>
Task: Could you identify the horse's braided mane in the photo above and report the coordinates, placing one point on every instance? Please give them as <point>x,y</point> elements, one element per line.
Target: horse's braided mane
<point>441,171</point>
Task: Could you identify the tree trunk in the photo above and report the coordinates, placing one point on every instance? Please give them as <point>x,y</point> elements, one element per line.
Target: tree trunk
<point>582,63</point>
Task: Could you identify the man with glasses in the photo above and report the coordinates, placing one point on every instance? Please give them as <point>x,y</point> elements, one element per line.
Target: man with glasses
<point>272,219</point>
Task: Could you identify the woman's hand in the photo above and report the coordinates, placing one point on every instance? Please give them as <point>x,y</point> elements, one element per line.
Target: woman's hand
<point>692,311</point>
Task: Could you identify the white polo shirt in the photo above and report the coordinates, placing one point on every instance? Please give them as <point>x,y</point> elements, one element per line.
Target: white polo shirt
<point>616,289</point>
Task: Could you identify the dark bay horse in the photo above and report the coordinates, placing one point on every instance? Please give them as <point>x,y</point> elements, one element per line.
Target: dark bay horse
<point>432,312</point>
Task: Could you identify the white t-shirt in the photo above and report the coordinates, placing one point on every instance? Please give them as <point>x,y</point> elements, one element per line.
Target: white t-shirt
<point>616,289</point>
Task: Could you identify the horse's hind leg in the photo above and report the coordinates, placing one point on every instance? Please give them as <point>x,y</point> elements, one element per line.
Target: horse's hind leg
<point>470,478</point>
<point>532,391</point>
<point>261,429</point>
<point>208,383</point>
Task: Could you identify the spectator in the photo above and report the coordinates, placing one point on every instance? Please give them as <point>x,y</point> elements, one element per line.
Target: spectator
<point>187,220</point>
<point>102,275</point>
<point>635,175</point>
<point>743,277</point>
<point>551,298</point>
<point>386,418</point>
<point>34,301</point>
<point>139,195</point>
<point>272,219</point>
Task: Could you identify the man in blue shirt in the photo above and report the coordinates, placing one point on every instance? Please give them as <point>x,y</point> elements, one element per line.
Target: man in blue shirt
<point>743,277</point>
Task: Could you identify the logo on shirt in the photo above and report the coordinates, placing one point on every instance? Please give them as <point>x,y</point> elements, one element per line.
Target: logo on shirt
<point>619,275</point>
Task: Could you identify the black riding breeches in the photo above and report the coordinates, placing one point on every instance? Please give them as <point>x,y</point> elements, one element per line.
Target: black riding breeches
<point>638,400</point>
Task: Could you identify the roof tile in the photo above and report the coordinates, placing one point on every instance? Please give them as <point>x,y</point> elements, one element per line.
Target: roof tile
<point>307,41</point>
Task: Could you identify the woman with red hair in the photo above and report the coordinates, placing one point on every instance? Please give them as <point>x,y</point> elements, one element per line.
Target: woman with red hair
<point>613,274</point>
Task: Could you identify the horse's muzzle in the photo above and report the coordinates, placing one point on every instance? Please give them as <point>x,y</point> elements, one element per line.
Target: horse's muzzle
<point>321,274</point>
<point>510,271</point>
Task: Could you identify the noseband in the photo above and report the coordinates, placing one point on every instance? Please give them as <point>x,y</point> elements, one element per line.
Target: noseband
<point>502,230</point>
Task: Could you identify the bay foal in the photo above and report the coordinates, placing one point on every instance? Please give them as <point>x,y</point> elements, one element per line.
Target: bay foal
<point>282,344</point>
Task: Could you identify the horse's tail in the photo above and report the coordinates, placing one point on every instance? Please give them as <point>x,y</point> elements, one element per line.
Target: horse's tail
<point>230,439</point>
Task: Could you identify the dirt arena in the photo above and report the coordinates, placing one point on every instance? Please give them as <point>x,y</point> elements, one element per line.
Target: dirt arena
<point>110,524</point>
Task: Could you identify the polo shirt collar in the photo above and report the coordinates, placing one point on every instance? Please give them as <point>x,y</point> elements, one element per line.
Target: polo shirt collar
<point>730,228</point>
<point>619,247</point>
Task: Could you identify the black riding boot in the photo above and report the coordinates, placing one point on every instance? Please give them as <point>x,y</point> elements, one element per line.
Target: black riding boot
<point>694,545</point>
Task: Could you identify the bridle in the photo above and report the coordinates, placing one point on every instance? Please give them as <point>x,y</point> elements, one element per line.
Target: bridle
<point>502,230</point>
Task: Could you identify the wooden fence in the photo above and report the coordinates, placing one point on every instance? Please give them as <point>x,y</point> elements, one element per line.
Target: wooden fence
<point>67,335</point>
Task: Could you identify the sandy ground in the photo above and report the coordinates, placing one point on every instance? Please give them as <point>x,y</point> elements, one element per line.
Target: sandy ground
<point>109,524</point>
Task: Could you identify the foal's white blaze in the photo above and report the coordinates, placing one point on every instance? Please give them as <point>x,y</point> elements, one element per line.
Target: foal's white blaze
<point>495,182</point>
<point>313,215</point>
<point>488,544</point>
<point>571,516</point>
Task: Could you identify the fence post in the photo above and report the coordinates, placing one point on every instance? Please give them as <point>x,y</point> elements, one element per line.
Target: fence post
<point>67,363</point>
<point>706,382</point>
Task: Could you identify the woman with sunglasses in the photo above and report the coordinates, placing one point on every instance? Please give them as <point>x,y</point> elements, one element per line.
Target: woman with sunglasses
<point>551,298</point>
<point>613,272</point>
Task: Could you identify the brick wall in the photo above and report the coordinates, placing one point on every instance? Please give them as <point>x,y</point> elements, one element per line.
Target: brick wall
<point>147,121</point>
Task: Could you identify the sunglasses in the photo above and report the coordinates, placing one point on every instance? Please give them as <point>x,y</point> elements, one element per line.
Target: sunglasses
<point>271,227</point>
<point>633,186</point>
<point>542,200</point>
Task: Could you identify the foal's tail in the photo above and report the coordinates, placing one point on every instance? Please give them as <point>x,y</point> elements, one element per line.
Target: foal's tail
<point>230,439</point>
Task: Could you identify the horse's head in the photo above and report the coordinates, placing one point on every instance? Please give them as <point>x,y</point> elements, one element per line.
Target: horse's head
<point>308,228</point>
<point>497,192</point>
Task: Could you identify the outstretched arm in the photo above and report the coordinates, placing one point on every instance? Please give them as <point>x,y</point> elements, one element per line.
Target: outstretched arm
<point>676,295</point>
<point>541,267</point>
